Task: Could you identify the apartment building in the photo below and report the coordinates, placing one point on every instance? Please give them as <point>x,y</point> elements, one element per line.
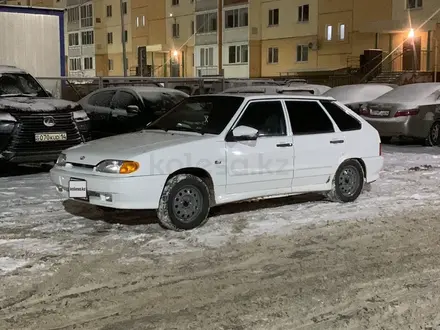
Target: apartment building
<point>287,31</point>
<point>80,37</point>
<point>208,32</point>
<point>109,59</point>
<point>180,36</point>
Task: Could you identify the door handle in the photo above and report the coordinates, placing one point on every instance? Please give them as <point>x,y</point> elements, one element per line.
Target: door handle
<point>337,141</point>
<point>284,145</point>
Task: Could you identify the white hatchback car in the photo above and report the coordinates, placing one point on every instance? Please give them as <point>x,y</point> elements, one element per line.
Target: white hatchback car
<point>216,149</point>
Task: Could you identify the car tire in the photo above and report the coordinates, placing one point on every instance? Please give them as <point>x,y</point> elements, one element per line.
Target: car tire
<point>348,182</point>
<point>433,138</point>
<point>386,139</point>
<point>184,203</point>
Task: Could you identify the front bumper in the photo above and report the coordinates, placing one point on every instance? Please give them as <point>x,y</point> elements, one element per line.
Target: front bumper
<point>410,126</point>
<point>30,157</point>
<point>115,191</point>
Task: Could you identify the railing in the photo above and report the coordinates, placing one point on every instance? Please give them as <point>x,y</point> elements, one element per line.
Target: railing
<point>203,71</point>
<point>75,88</point>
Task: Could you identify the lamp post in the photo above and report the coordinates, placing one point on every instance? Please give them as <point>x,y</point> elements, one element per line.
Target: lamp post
<point>435,58</point>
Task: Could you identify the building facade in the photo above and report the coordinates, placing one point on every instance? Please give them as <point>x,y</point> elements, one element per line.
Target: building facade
<point>246,38</point>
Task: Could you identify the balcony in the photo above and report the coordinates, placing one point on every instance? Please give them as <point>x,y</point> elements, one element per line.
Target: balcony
<point>206,5</point>
<point>203,71</point>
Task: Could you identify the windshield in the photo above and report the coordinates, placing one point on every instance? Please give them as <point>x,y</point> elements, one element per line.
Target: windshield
<point>16,84</point>
<point>160,103</point>
<point>201,114</point>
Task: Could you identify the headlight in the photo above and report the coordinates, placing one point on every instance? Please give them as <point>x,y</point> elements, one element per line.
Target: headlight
<point>61,161</point>
<point>117,166</point>
<point>80,115</point>
<point>4,116</point>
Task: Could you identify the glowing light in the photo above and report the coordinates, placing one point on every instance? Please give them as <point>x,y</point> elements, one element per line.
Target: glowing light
<point>411,34</point>
<point>171,15</point>
<point>175,53</point>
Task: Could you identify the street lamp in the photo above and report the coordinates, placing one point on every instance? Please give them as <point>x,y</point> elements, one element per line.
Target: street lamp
<point>411,34</point>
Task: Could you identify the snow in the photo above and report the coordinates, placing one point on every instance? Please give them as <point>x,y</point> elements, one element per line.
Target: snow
<point>35,223</point>
<point>28,104</point>
<point>420,92</point>
<point>357,93</point>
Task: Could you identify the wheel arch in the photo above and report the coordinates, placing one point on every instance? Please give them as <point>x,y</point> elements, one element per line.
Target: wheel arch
<point>200,173</point>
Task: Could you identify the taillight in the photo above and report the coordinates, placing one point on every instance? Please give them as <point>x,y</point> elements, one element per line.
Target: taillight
<point>405,113</point>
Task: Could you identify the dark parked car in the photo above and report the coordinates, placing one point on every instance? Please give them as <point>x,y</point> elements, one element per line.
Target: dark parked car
<point>118,110</point>
<point>35,127</point>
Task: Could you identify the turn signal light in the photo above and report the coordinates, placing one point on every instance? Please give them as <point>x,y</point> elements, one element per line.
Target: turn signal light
<point>128,167</point>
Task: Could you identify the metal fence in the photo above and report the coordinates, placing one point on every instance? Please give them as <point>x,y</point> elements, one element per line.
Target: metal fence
<point>75,88</point>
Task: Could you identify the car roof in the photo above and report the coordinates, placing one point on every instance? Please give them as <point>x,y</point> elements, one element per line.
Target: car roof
<point>10,69</point>
<point>141,89</point>
<point>250,97</point>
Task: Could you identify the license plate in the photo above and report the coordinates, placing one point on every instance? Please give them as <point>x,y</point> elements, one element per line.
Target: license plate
<point>380,113</point>
<point>48,137</point>
<point>78,189</point>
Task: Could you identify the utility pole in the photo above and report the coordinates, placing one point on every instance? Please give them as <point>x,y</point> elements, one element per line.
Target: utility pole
<point>124,50</point>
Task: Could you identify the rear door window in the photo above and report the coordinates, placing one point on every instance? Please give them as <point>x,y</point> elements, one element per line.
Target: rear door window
<point>308,117</point>
<point>344,121</point>
<point>101,99</point>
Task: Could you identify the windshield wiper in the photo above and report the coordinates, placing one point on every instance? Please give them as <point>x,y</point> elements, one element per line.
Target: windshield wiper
<point>187,129</point>
<point>16,94</point>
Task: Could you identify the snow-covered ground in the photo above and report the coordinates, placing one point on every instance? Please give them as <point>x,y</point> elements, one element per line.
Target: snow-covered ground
<point>35,224</point>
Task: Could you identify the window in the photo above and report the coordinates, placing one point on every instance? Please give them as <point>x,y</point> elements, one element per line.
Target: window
<point>88,63</point>
<point>143,20</point>
<point>238,54</point>
<point>137,21</point>
<point>273,17</point>
<point>206,23</point>
<point>328,32</point>
<point>266,117</point>
<point>341,31</point>
<point>175,30</point>
<point>125,35</point>
<point>124,8</point>
<point>308,118</point>
<point>344,121</point>
<point>236,18</point>
<point>207,56</point>
<point>87,38</point>
<point>413,4</point>
<point>208,114</point>
<point>109,11</point>
<point>74,64</point>
<point>303,13</point>
<point>73,15</point>
<point>110,65</point>
<point>110,38</point>
<point>302,53</point>
<point>101,99</point>
<point>272,55</point>
<point>174,2</point>
<point>73,39</point>
<point>86,15</point>
<point>124,99</point>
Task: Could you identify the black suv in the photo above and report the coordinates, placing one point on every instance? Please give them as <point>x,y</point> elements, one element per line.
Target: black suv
<point>34,126</point>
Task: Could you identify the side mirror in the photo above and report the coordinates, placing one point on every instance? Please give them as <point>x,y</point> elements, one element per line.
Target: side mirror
<point>245,133</point>
<point>132,109</point>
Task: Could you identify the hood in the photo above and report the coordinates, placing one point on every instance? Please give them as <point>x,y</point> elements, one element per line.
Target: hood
<point>36,104</point>
<point>127,146</point>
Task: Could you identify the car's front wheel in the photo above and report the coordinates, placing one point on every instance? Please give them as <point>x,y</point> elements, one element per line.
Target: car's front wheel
<point>348,182</point>
<point>184,203</point>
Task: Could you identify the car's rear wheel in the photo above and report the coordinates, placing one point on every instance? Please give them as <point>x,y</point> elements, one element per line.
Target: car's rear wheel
<point>433,138</point>
<point>348,182</point>
<point>184,203</point>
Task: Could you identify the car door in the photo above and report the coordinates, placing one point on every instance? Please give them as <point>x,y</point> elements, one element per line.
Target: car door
<point>98,109</point>
<point>318,145</point>
<point>266,163</point>
<point>123,120</point>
